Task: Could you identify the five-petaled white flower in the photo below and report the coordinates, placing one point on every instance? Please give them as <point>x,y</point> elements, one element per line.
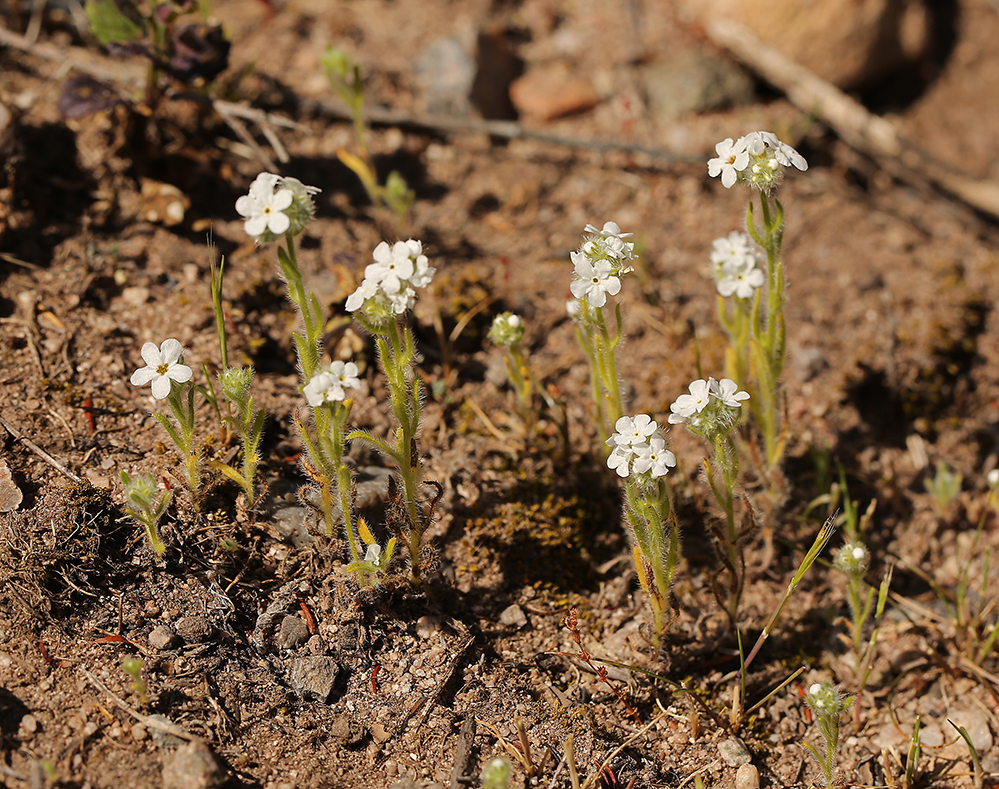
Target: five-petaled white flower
<point>162,366</point>
<point>731,160</point>
<point>743,279</point>
<point>727,391</point>
<point>687,405</point>
<point>593,280</point>
<point>654,457</point>
<point>389,286</point>
<point>637,447</point>
<point>264,207</point>
<point>331,383</point>
<point>632,430</point>
<point>619,460</point>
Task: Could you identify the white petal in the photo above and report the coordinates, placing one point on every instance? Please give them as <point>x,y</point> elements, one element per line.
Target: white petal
<point>161,387</point>
<point>171,350</point>
<point>151,354</point>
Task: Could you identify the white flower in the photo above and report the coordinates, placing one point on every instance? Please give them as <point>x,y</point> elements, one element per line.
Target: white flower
<point>783,152</point>
<point>330,385</point>
<point>732,251</point>
<point>507,329</point>
<point>366,290</point>
<point>732,159</point>
<point>389,286</point>
<point>687,405</point>
<point>608,242</point>
<point>633,430</point>
<point>373,554</point>
<point>162,366</point>
<point>639,448</point>
<point>392,266</point>
<point>993,478</point>
<point>743,279</point>
<point>264,207</point>
<point>619,460</point>
<point>654,457</point>
<point>727,391</point>
<point>594,280</point>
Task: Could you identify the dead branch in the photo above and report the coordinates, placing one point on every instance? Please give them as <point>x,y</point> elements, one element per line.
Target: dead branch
<point>870,134</point>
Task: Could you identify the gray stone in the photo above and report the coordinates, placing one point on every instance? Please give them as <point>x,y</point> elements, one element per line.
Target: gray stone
<point>195,629</point>
<point>292,523</point>
<point>513,616</point>
<point>162,637</point>
<point>193,766</point>
<point>445,71</point>
<point>314,677</point>
<point>292,633</point>
<point>734,752</point>
<point>693,81</point>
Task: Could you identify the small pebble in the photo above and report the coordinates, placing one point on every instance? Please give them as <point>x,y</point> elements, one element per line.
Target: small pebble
<point>193,765</point>
<point>29,724</point>
<point>513,616</point>
<point>733,752</point>
<point>292,633</point>
<point>162,637</point>
<point>748,777</point>
<point>139,732</point>
<point>427,625</point>
<point>89,729</point>
<point>316,645</point>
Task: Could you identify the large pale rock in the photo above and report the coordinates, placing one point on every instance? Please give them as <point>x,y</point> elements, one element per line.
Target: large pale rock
<point>847,42</point>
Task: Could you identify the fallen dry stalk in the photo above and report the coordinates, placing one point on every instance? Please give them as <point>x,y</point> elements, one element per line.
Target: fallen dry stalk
<point>868,133</point>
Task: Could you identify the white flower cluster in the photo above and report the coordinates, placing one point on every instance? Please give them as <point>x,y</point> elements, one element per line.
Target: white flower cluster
<point>600,262</point>
<point>275,206</point>
<point>852,558</point>
<point>758,158</point>
<point>389,286</point>
<point>710,406</point>
<point>331,383</point>
<point>638,448</point>
<point>733,265</point>
<point>162,366</point>
<point>507,329</point>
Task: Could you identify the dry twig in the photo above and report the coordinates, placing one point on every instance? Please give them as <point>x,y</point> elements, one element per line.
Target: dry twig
<point>868,133</point>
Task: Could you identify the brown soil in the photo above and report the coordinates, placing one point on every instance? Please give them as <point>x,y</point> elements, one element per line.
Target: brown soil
<point>893,365</point>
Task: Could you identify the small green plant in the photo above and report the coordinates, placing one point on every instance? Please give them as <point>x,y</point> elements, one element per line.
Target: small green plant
<point>828,706</point>
<point>507,331</point>
<point>247,422</point>
<point>598,265</point>
<point>344,77</point>
<point>132,666</point>
<point>387,293</point>
<point>712,410</point>
<point>146,506</point>
<point>943,486</point>
<point>755,322</point>
<point>169,379</point>
<point>640,457</point>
